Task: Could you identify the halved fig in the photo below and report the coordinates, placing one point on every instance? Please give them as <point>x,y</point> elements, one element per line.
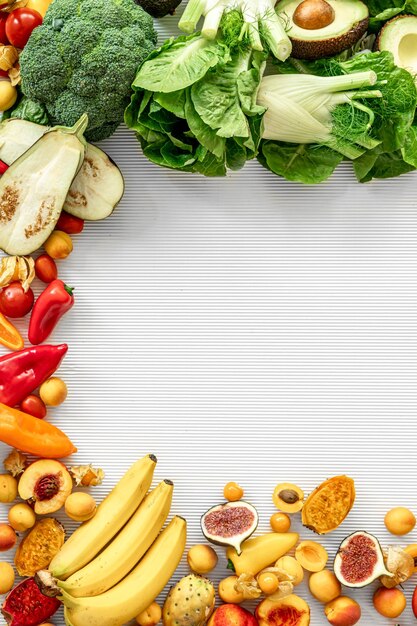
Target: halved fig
<point>230,524</point>
<point>359,560</point>
<point>25,605</point>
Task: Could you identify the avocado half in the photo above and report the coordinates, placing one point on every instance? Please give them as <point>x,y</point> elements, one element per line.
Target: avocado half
<point>399,36</point>
<point>314,40</point>
<point>159,8</point>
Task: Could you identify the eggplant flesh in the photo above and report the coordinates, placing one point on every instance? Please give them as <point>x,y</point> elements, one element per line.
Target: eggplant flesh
<point>95,191</point>
<point>34,188</point>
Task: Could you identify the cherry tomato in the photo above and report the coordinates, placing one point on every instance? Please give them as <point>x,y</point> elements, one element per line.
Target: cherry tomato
<point>34,406</point>
<point>45,268</point>
<point>14,302</point>
<point>20,24</point>
<point>70,224</point>
<point>3,37</point>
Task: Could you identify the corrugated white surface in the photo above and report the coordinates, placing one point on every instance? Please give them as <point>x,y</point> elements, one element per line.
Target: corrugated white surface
<point>248,329</point>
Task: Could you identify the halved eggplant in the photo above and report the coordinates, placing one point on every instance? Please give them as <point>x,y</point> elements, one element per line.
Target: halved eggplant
<point>359,560</point>
<point>97,189</point>
<point>34,188</point>
<point>98,186</point>
<point>230,524</point>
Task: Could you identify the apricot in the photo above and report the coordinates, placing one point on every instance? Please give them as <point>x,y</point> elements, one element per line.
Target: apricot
<point>80,506</point>
<point>202,559</point>
<point>48,483</point>
<point>324,586</point>
<point>280,522</point>
<point>58,245</point>
<point>400,521</point>
<point>389,602</point>
<point>289,610</point>
<point>7,577</point>
<point>8,488</point>
<point>231,615</point>
<point>233,492</point>
<point>7,537</point>
<point>227,591</point>
<point>291,567</point>
<point>342,611</point>
<point>311,555</point>
<point>288,497</point>
<point>150,616</point>
<point>21,517</point>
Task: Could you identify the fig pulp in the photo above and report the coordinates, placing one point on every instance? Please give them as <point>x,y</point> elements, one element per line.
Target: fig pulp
<point>230,524</point>
<point>359,560</point>
<point>25,605</point>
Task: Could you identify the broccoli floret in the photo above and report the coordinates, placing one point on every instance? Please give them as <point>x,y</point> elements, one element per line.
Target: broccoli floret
<point>84,58</point>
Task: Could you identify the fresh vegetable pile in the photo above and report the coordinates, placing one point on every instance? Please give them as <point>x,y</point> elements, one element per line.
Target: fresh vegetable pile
<point>336,90</point>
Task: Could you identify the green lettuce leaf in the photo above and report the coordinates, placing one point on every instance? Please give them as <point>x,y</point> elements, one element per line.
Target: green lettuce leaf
<point>180,63</point>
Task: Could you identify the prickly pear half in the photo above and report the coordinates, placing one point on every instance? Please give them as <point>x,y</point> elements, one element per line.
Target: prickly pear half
<point>25,605</point>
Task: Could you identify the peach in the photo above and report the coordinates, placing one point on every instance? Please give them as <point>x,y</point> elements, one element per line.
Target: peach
<point>8,488</point>
<point>342,611</point>
<point>232,615</point>
<point>7,537</point>
<point>7,577</point>
<point>291,610</point>
<point>324,586</point>
<point>389,602</point>
<point>46,482</point>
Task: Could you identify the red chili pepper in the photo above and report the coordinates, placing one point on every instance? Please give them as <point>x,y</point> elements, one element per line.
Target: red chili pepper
<point>3,167</point>
<point>51,305</point>
<point>70,224</point>
<point>23,371</point>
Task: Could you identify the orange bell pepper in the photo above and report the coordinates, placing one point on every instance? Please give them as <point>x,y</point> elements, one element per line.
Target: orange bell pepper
<point>32,435</point>
<point>9,335</point>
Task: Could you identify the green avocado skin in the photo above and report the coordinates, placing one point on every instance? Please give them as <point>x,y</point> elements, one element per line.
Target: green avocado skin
<point>159,8</point>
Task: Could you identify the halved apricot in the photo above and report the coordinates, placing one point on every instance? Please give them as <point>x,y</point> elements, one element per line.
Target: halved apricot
<point>288,497</point>
<point>311,555</point>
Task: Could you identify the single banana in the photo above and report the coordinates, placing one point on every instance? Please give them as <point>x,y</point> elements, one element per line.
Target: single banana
<point>136,592</point>
<point>126,549</point>
<point>111,515</point>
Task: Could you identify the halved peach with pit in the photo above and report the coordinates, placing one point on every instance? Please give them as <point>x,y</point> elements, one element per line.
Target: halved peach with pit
<point>289,611</point>
<point>47,483</point>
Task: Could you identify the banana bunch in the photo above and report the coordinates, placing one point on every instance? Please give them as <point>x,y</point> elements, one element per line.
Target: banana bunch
<point>111,586</point>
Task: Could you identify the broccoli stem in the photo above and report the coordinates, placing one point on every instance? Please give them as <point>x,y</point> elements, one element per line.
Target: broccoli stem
<point>193,11</point>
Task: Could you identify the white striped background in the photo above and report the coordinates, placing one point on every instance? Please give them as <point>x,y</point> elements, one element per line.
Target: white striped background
<point>248,329</point>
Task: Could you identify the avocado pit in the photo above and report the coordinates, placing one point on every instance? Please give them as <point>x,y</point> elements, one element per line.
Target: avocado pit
<point>313,14</point>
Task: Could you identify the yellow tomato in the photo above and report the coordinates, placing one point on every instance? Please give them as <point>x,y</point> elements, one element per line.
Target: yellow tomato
<point>8,95</point>
<point>39,5</point>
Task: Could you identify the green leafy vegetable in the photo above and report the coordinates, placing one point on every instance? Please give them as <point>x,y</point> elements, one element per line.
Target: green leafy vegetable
<point>30,111</point>
<point>83,58</point>
<point>303,163</point>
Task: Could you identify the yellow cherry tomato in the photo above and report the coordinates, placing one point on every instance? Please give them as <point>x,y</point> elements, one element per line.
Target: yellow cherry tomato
<point>8,95</point>
<point>53,391</point>
<point>280,522</point>
<point>40,6</point>
<point>268,582</point>
<point>58,245</point>
<point>233,492</point>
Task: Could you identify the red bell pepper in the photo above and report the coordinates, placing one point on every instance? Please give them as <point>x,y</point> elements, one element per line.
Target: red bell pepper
<point>51,305</point>
<point>23,371</point>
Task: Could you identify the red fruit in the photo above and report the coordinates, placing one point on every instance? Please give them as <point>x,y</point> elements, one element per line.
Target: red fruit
<point>3,38</point>
<point>69,224</point>
<point>45,268</point>
<point>232,615</point>
<point>20,24</point>
<point>414,602</point>
<point>25,605</point>
<point>3,166</point>
<point>34,406</point>
<point>14,301</point>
